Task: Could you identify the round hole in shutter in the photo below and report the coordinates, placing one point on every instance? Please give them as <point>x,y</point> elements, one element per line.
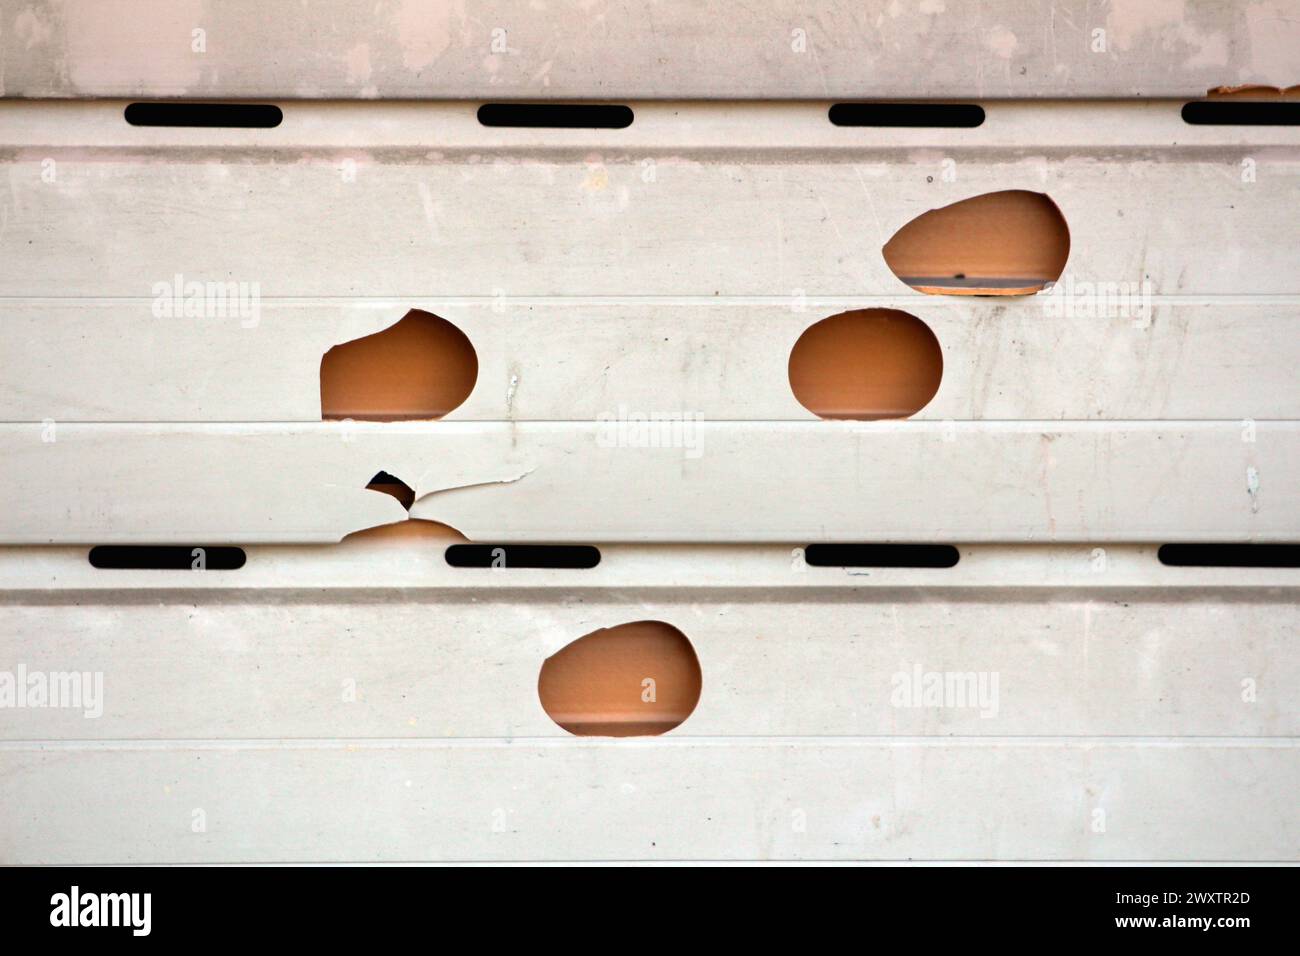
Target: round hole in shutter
<point>632,680</point>
<point>866,364</point>
<point>421,367</point>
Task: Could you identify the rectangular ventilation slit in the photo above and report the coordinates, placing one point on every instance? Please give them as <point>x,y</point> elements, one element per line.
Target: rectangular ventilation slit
<point>555,115</point>
<point>1230,555</point>
<point>184,557</point>
<point>553,556</point>
<point>1241,113</point>
<point>206,115</point>
<point>915,115</point>
<point>881,555</point>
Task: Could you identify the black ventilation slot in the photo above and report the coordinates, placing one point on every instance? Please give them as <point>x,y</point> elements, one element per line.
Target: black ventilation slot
<point>565,557</point>
<point>155,557</point>
<point>1241,113</point>
<point>916,115</point>
<point>556,115</point>
<point>209,115</point>
<point>881,555</point>
<point>1230,555</point>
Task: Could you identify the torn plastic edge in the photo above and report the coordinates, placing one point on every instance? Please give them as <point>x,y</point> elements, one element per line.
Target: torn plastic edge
<point>393,486</point>
<point>471,480</point>
<point>421,522</point>
<point>1253,91</point>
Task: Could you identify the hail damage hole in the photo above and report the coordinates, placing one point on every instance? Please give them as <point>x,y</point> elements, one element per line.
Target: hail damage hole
<point>558,556</point>
<point>412,529</point>
<point>389,485</point>
<point>208,115</point>
<point>1230,555</point>
<point>633,680</point>
<point>183,557</point>
<point>422,367</point>
<point>881,555</point>
<point>866,364</point>
<point>1012,242</point>
<point>932,115</point>
<point>556,115</point>
<point>405,530</point>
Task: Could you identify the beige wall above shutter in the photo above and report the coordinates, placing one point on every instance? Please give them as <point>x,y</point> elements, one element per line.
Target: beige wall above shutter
<point>776,49</point>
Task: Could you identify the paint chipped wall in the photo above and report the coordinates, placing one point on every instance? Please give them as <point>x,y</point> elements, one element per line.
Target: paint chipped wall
<point>636,48</point>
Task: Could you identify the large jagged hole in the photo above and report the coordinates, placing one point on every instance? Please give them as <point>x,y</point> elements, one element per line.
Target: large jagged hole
<point>420,368</point>
<point>633,680</point>
<point>408,529</point>
<point>866,364</point>
<point>390,485</point>
<point>1012,242</point>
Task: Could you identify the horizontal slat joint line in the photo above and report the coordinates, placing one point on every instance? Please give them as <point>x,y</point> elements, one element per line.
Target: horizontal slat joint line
<point>736,861</point>
<point>676,741</point>
<point>433,300</point>
<point>445,424</point>
<point>853,589</point>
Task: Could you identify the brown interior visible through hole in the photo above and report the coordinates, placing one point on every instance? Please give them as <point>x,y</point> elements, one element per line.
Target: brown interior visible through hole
<point>1012,242</point>
<point>409,530</point>
<point>866,364</point>
<point>422,367</point>
<point>637,679</point>
<point>387,484</point>
<point>1253,93</point>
